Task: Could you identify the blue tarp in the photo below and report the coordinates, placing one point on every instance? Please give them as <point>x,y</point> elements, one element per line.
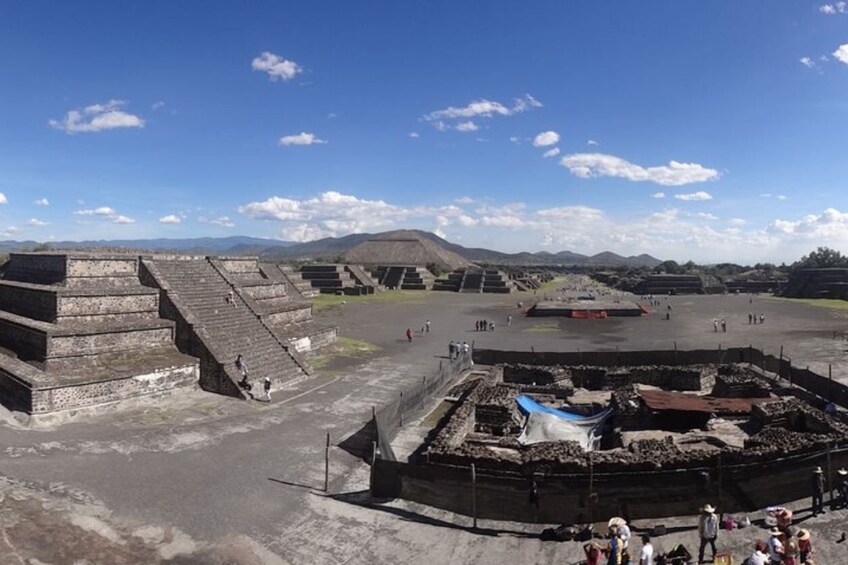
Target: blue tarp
<point>528,405</point>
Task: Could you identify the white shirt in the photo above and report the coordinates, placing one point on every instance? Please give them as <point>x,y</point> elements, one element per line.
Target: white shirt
<point>647,555</point>
<point>775,548</point>
<point>758,558</point>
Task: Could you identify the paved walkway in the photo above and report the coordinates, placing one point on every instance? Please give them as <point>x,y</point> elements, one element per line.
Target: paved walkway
<point>201,478</point>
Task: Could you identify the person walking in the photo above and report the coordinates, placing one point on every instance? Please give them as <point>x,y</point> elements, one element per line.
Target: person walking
<point>842,487</point>
<point>613,549</point>
<point>707,531</point>
<point>715,326</point>
<point>817,484</point>
<point>805,546</point>
<point>409,335</point>
<point>509,320</point>
<point>465,348</point>
<point>241,367</point>
<point>267,387</point>
<point>724,326</point>
<point>427,325</point>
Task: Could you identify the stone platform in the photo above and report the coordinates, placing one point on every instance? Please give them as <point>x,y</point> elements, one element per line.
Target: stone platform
<point>586,309</point>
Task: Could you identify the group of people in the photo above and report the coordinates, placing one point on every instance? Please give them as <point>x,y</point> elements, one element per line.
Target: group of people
<point>819,488</point>
<point>485,325</point>
<point>722,323</point>
<point>617,550</point>
<point>241,367</point>
<point>456,349</point>
<point>754,319</point>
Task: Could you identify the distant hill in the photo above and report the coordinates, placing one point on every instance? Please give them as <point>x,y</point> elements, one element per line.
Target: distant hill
<point>331,248</point>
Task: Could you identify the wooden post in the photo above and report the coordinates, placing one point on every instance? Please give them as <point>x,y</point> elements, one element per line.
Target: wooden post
<point>829,480</point>
<point>474,494</point>
<point>720,490</point>
<point>327,464</point>
<point>830,386</point>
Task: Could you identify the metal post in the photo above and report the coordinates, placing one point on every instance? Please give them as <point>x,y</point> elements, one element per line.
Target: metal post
<point>474,494</point>
<point>327,464</point>
<point>400,409</point>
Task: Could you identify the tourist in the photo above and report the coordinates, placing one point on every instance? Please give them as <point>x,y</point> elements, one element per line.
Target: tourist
<point>241,366</point>
<point>509,320</point>
<point>465,348</point>
<point>775,547</point>
<point>724,326</point>
<point>842,487</point>
<point>267,387</point>
<point>790,552</point>
<point>594,553</point>
<point>646,556</point>
<point>491,326</point>
<point>451,349</point>
<point>817,484</point>
<point>231,297</point>
<point>427,325</point>
<point>715,326</point>
<point>759,557</point>
<point>409,335</point>
<point>624,535</point>
<point>762,318</point>
<point>805,546</point>
<point>707,530</point>
<point>613,549</point>
<point>750,316</point>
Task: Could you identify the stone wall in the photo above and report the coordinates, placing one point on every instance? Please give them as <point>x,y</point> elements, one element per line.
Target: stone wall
<point>293,316</point>
<point>36,268</point>
<point>28,300</point>
<point>113,390</point>
<point>93,267</point>
<point>93,343</point>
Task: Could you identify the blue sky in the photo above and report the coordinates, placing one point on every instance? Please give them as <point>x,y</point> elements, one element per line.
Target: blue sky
<point>711,131</point>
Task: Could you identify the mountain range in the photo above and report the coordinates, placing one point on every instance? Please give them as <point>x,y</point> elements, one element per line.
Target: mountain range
<point>332,248</point>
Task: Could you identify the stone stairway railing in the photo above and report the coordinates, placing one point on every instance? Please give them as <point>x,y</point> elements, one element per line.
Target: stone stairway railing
<point>258,311</point>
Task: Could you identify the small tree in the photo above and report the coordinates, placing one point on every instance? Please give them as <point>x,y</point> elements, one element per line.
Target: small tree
<point>821,258</point>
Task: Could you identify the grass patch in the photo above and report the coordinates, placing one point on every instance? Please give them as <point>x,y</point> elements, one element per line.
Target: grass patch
<point>324,302</point>
<point>551,285</point>
<point>833,303</point>
<point>543,328</point>
<point>346,347</point>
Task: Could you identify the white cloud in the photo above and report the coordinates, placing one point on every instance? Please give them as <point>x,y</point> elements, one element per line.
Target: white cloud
<point>414,135</point>
<point>551,152</point>
<point>464,200</point>
<point>277,67</point>
<point>479,109</point>
<point>836,7</point>
<point>515,139</point>
<point>101,211</point>
<point>42,202</point>
<point>119,219</point>
<point>36,222</point>
<point>98,117</point>
<point>224,221</point>
<point>545,139</point>
<point>3,199</point>
<point>706,216</point>
<point>782,197</point>
<point>467,126</point>
<point>592,142</point>
<point>504,221</point>
<point>302,138</point>
<point>694,196</point>
<point>577,213</point>
<point>588,165</point>
<point>737,221</point>
<point>842,53</point>
<point>658,195</point>
<point>157,105</point>
<point>170,219</point>
<point>807,62</point>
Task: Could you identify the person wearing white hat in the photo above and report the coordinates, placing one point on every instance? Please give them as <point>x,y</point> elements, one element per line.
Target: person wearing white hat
<point>707,531</point>
<point>842,487</point>
<point>818,491</point>
<point>775,547</point>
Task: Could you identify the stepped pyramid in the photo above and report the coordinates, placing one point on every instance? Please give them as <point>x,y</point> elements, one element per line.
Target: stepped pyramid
<point>404,248</point>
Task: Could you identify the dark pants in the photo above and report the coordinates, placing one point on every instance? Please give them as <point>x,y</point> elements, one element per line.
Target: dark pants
<point>818,502</point>
<point>704,542</point>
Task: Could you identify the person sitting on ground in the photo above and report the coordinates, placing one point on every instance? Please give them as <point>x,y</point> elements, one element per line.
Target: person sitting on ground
<point>594,553</point>
<point>759,557</point>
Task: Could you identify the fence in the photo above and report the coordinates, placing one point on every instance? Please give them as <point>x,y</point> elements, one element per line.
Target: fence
<point>491,493</point>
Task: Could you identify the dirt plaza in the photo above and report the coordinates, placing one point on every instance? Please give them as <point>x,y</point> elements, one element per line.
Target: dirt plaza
<point>200,478</point>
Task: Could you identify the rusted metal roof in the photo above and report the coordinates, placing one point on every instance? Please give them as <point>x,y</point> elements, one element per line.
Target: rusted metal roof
<point>664,400</point>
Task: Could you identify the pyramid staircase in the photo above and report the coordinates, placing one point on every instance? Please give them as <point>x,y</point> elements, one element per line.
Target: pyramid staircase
<point>217,331</point>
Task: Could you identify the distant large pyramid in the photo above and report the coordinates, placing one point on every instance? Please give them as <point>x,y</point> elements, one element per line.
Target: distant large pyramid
<point>401,248</point>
